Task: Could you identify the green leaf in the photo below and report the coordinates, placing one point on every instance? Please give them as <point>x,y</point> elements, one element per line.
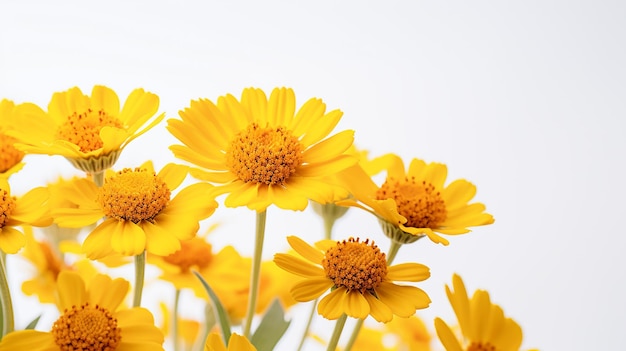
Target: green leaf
<point>33,323</point>
<point>222,316</point>
<point>271,329</point>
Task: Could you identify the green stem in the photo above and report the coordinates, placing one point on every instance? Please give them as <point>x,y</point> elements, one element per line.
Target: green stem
<point>175,320</point>
<point>334,339</point>
<point>5,295</point>
<point>308,325</point>
<point>209,323</point>
<point>98,178</point>
<point>354,335</point>
<point>140,268</point>
<point>329,222</point>
<point>393,251</point>
<point>256,270</point>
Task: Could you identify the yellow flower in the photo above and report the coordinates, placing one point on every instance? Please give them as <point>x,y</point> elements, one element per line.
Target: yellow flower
<point>90,131</point>
<point>91,320</point>
<point>483,324</point>
<point>139,213</point>
<point>29,209</point>
<point>48,265</point>
<point>416,203</point>
<point>10,157</point>
<point>361,282</point>
<point>259,151</point>
<point>225,270</point>
<point>235,343</point>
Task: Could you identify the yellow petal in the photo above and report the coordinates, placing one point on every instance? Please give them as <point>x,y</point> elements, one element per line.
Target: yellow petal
<point>310,289</point>
<point>321,128</point>
<point>332,305</point>
<point>281,106</point>
<point>305,250</point>
<point>402,300</point>
<point>355,305</point>
<point>128,238</point>
<point>328,148</point>
<point>105,99</point>
<point>378,310</point>
<point>298,266</point>
<point>98,243</point>
<point>71,290</point>
<point>11,240</point>
<point>447,337</point>
<point>158,241</point>
<point>28,340</point>
<point>173,175</point>
<point>107,292</point>
<point>409,272</point>
<point>332,166</point>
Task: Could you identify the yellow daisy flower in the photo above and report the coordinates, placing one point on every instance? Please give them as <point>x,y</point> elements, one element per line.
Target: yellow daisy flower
<point>415,203</point>
<point>30,209</point>
<point>260,150</point>
<point>10,157</point>
<point>235,343</point>
<point>91,320</point>
<point>89,131</point>
<point>483,324</point>
<point>361,283</point>
<point>139,212</point>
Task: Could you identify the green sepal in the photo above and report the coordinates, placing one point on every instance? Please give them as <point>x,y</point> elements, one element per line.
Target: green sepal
<point>33,323</point>
<point>271,329</point>
<point>222,316</point>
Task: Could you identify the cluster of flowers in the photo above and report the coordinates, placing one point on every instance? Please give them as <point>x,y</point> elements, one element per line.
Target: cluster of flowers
<point>258,151</point>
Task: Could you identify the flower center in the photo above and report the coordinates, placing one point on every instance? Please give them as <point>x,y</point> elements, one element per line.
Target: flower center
<point>7,205</point>
<point>419,202</point>
<point>84,129</point>
<point>133,195</point>
<point>264,155</point>
<point>194,252</point>
<point>479,346</point>
<point>355,265</point>
<point>9,155</point>
<point>86,328</point>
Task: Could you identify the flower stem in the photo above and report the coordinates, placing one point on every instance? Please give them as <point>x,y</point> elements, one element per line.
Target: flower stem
<point>140,267</point>
<point>5,295</point>
<point>308,325</point>
<point>98,178</point>
<point>256,270</point>
<point>354,335</point>
<point>334,339</point>
<point>175,321</point>
<point>393,251</point>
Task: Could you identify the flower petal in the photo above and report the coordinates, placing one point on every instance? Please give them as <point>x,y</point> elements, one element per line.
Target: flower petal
<point>11,240</point>
<point>158,241</point>
<point>310,289</point>
<point>107,292</point>
<point>408,272</point>
<point>355,305</point>
<point>128,239</point>
<point>298,266</point>
<point>71,290</point>
<point>31,340</point>
<point>305,250</point>
<point>447,337</point>
<point>98,243</point>
<point>332,305</point>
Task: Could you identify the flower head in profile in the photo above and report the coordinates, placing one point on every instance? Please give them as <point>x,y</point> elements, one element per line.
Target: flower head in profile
<point>236,343</point>
<point>30,209</point>
<point>10,157</point>
<point>261,151</point>
<point>91,320</point>
<point>483,324</point>
<point>139,209</point>
<point>89,131</point>
<point>416,202</point>
<point>357,274</point>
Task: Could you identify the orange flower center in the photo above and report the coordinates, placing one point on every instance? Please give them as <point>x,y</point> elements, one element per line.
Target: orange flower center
<point>479,346</point>
<point>133,195</point>
<point>84,129</point>
<point>7,205</point>
<point>264,155</point>
<point>194,252</point>
<point>355,265</point>
<point>419,202</point>
<point>86,328</point>
<point>9,155</point>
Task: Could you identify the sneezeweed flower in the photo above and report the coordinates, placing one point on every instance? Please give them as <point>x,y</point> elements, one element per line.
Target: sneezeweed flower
<point>48,264</point>
<point>10,157</point>
<point>91,320</point>
<point>260,151</point>
<point>236,342</point>
<point>89,131</point>
<point>415,203</point>
<point>30,209</point>
<point>483,324</point>
<point>361,283</point>
<point>140,213</point>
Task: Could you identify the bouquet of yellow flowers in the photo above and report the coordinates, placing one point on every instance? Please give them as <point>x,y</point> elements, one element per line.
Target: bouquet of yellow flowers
<point>256,151</point>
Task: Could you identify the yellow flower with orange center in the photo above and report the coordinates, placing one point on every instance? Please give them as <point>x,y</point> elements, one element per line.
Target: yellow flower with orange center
<point>140,213</point>
<point>261,151</point>
<point>91,320</point>
<point>416,203</point>
<point>10,157</point>
<point>89,131</point>
<point>361,283</point>
<point>483,324</point>
<point>30,209</point>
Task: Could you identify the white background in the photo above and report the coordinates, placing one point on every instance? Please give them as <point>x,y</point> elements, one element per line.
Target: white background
<point>523,98</point>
